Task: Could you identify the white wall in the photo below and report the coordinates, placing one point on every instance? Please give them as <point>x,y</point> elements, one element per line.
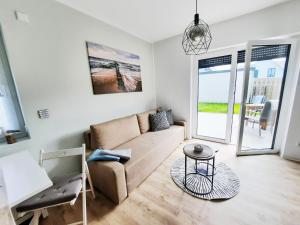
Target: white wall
<point>172,70</point>
<point>220,84</point>
<point>292,142</point>
<point>49,61</point>
<point>172,65</point>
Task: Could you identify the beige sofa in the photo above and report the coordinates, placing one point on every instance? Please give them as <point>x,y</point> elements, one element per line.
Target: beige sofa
<point>149,149</point>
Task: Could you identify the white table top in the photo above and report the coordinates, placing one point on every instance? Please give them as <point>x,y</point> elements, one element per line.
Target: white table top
<point>6,217</point>
<point>23,177</point>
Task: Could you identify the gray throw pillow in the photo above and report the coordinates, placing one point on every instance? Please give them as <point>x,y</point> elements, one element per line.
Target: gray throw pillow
<point>159,121</point>
<point>170,117</point>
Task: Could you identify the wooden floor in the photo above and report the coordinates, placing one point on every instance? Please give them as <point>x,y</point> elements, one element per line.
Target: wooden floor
<point>269,195</point>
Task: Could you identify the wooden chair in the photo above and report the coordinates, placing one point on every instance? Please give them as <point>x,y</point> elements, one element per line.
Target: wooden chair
<point>64,191</point>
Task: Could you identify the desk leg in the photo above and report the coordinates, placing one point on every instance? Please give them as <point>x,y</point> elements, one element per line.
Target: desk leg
<point>90,180</point>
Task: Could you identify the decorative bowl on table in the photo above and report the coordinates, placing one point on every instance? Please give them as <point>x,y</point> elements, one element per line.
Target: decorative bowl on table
<point>198,148</point>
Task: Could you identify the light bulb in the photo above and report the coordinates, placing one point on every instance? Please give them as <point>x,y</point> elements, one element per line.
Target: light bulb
<point>196,33</point>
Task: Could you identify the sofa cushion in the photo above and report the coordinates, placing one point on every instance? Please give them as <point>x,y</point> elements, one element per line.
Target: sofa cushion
<point>110,134</point>
<point>149,150</point>
<point>159,121</point>
<point>170,117</point>
<point>143,119</point>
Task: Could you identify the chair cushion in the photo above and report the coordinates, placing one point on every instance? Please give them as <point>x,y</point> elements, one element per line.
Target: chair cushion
<point>64,190</point>
<point>266,112</point>
<point>258,99</point>
<point>143,119</point>
<point>110,134</point>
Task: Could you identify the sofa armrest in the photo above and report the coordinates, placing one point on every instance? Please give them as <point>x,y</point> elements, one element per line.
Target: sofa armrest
<point>87,139</point>
<point>184,124</point>
<point>180,123</point>
<point>109,178</point>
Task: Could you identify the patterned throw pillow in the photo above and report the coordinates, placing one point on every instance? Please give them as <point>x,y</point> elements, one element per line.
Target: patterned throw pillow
<point>159,121</point>
<point>170,117</point>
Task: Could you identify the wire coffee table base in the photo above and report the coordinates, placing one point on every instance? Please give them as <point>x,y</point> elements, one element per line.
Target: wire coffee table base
<point>209,176</point>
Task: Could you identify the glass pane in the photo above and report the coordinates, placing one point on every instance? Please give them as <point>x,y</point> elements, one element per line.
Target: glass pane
<point>213,91</point>
<point>267,71</point>
<point>8,116</point>
<point>11,119</point>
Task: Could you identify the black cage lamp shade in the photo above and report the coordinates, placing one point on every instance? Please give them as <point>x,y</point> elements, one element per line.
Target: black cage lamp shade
<point>197,37</point>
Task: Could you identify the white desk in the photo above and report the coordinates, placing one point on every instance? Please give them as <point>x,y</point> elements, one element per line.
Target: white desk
<point>6,217</point>
<point>23,177</point>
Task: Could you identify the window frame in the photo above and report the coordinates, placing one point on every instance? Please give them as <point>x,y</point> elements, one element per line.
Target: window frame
<point>13,90</point>
<point>256,73</point>
<point>271,72</point>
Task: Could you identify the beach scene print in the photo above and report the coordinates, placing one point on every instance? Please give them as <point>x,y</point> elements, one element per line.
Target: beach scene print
<point>113,70</point>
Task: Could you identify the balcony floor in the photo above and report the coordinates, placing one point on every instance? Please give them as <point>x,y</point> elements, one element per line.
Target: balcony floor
<point>214,125</point>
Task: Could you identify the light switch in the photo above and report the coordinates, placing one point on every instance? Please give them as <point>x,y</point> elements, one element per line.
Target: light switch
<point>23,17</point>
<point>43,113</point>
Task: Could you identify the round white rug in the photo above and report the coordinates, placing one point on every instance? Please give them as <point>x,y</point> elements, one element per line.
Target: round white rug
<point>226,183</point>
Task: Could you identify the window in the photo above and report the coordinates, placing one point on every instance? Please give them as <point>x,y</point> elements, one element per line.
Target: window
<point>255,74</point>
<point>11,118</point>
<point>271,72</point>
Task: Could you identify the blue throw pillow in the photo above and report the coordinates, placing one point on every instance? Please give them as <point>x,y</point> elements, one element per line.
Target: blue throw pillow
<point>98,155</point>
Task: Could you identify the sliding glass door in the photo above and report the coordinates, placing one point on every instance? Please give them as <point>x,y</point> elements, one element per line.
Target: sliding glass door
<point>264,66</point>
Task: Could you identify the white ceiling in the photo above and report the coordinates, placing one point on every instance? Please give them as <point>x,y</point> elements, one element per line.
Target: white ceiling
<point>154,20</point>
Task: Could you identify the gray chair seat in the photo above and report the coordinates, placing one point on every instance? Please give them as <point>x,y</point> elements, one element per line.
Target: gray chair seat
<point>64,189</point>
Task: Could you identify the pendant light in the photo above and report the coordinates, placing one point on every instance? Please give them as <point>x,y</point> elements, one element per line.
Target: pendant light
<point>197,37</point>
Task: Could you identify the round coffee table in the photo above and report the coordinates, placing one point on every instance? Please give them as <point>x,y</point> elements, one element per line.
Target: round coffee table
<point>205,157</point>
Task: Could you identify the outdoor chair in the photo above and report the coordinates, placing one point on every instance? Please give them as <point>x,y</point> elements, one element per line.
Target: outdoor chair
<point>260,117</point>
<point>258,99</point>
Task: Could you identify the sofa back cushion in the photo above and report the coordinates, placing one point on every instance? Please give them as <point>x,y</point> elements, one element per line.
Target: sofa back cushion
<point>159,121</point>
<point>113,133</point>
<point>143,119</point>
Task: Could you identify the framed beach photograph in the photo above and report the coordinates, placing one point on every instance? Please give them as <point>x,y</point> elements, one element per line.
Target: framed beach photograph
<point>113,70</point>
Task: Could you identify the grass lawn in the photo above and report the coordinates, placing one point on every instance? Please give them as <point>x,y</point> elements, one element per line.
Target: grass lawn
<point>217,107</point>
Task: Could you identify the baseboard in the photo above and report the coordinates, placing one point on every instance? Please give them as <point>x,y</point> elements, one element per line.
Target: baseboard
<point>291,158</point>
